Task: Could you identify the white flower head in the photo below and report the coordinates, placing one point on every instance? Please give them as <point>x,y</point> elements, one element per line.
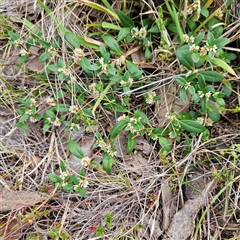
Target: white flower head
<point>65,70</point>
<point>186,38</point>
<point>203,51</point>
<point>51,101</point>
<point>200,120</point>
<point>78,53</point>
<point>134,32</point>
<point>24,52</point>
<point>74,109</point>
<point>18,42</point>
<point>142,32</point>
<point>209,122</point>
<point>201,94</point>
<point>32,119</point>
<point>121,118</point>
<point>32,102</point>
<point>150,97</point>
<point>28,111</point>
<point>83,183</point>
<point>193,47</point>
<point>187,85</point>
<point>57,122</point>
<point>208,94</point>
<point>49,120</point>
<point>73,126</point>
<point>86,161</point>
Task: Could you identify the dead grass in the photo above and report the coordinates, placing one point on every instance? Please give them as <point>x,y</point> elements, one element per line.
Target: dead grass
<point>148,197</point>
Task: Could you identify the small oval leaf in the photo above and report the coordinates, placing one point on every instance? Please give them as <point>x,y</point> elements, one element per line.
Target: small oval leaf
<point>192,126</point>
<point>117,128</point>
<point>75,149</point>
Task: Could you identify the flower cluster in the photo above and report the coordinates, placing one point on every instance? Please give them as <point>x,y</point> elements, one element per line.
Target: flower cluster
<point>74,109</point>
<point>188,39</point>
<point>134,125</point>
<point>74,126</point>
<point>65,70</point>
<point>201,94</point>
<point>205,121</point>
<point>86,161</point>
<point>83,183</point>
<point>64,176</point>
<point>103,66</point>
<point>142,33</point>
<point>127,83</point>
<point>193,7</point>
<point>93,90</point>
<point>107,147</point>
<point>24,52</point>
<point>150,97</point>
<point>78,54</point>
<point>51,101</point>
<point>121,118</point>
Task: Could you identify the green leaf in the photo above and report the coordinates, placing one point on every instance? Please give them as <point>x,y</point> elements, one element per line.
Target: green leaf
<point>62,166</point>
<point>94,67</point>
<point>222,64</point>
<point>111,70</point>
<point>45,44</point>
<point>13,36</point>
<point>198,39</point>
<point>123,33</point>
<point>144,117</point>
<point>221,42</point>
<point>125,20</point>
<point>54,178</point>
<point>85,63</point>
<point>131,142</point>
<point>62,107</point>
<point>112,44</point>
<point>210,39</point>
<point>75,149</point>
<point>23,126</point>
<point>180,80</point>
<point>68,187</point>
<point>44,56</point>
<point>183,94</point>
<point>148,54</point>
<point>24,117</point>
<point>46,127</point>
<point>107,163</point>
<point>81,191</point>
<point>103,50</point>
<point>192,126</point>
<point>203,103</point>
<point>59,94</point>
<point>96,164</point>
<point>133,69</point>
<point>74,179</point>
<point>195,57</point>
<point>213,113</point>
<point>165,144</point>
<point>227,88</point>
<point>72,39</point>
<point>154,29</point>
<point>110,26</point>
<point>53,68</point>
<point>205,12</point>
<point>212,76</point>
<point>184,55</point>
<point>117,128</point>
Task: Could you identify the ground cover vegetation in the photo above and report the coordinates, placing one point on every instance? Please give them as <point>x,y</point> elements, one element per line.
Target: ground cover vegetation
<point>120,120</point>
